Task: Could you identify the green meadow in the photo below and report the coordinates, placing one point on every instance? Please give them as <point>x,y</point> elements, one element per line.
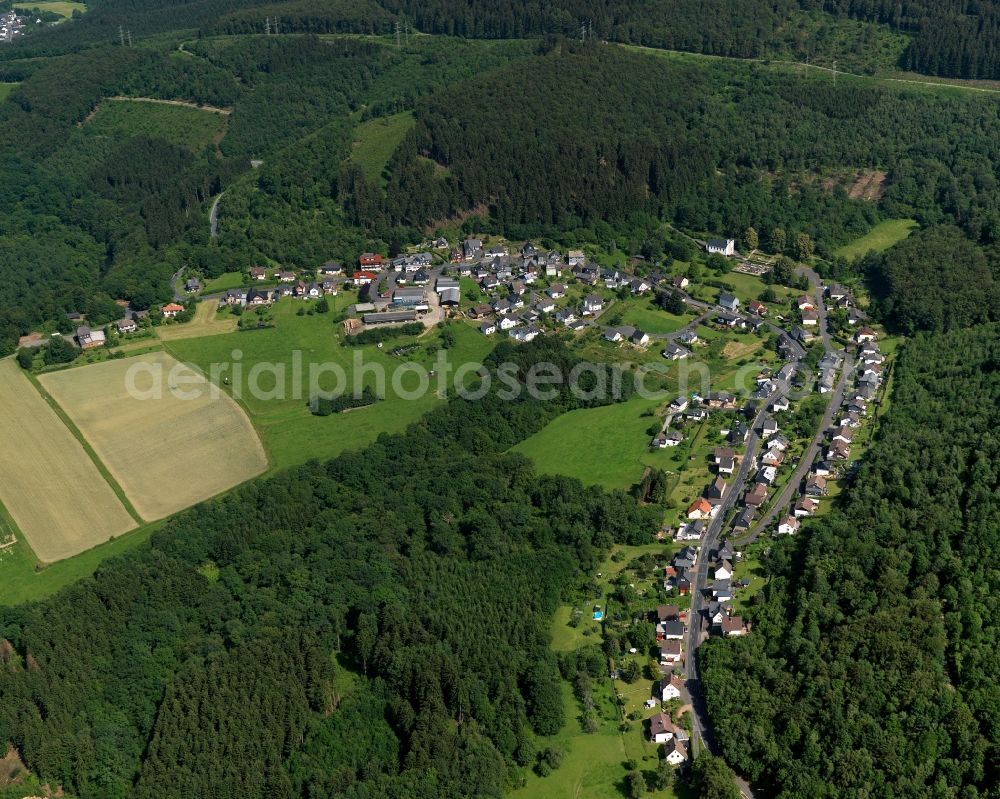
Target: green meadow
<point>607,446</point>
<point>279,406</point>
<point>879,238</point>
<point>376,140</point>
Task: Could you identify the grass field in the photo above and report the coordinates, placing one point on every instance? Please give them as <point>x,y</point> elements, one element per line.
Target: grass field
<point>290,432</point>
<point>6,89</point>
<point>607,446</point>
<point>167,453</point>
<point>650,319</point>
<point>192,128</point>
<point>376,140</point>
<point>879,238</point>
<point>208,321</point>
<point>22,581</point>
<point>63,9</point>
<point>224,282</point>
<point>52,489</point>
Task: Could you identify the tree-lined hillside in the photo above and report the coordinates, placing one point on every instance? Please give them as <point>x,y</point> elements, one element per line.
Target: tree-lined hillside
<point>429,565</point>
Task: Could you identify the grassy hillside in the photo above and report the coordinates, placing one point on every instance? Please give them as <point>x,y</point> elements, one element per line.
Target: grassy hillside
<point>376,140</point>
<point>879,238</point>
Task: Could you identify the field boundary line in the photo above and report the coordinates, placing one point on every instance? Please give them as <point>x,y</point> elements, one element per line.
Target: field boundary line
<point>271,469</point>
<point>101,468</point>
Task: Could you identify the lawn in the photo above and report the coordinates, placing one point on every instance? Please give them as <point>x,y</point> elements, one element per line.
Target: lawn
<point>607,446</point>
<point>224,282</point>
<point>52,489</point>
<point>192,128</point>
<point>6,89</point>
<point>645,316</point>
<point>208,321</point>
<point>156,426</point>
<point>376,140</point>
<point>291,434</point>
<point>879,238</point>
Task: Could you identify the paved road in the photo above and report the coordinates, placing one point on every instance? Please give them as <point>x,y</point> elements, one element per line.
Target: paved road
<point>807,460</point>
<point>213,217</point>
<point>817,287</point>
<point>698,622</point>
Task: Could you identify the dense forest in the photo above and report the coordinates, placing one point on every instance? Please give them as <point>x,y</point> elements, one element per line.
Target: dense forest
<point>936,280</point>
<point>872,668</point>
<point>712,147</point>
<point>428,565</point>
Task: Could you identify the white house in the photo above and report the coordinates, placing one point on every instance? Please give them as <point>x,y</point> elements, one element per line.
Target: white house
<point>788,526</point>
<point>661,728</point>
<point>675,753</point>
<point>508,323</point>
<point>671,688</point>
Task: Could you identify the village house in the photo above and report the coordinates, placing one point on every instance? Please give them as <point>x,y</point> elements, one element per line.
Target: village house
<point>672,651</point>
<point>126,326</point>
<point>723,570</point>
<point>670,688</point>
<point>788,526</point>
<point>839,451</point>
<point>700,509</point>
<point>865,334</point>
<point>576,257</point>
<point>680,282</point>
<point>716,489</point>
<point>471,248</point>
<point>592,303</point>
<point>88,339</point>
<point>728,301</point>
<point>488,328</point>
<point>556,290</point>
<point>363,278</point>
<point>675,752</point>
<point>191,286</point>
<point>331,269</point>
<point>757,308</point>
<point>639,338</point>
<point>805,506</point>
<point>815,486</point>
<point>661,728</point>
<point>508,323</point>
<point>732,626</point>
<point>526,333</point>
<point>688,337</point>
<point>171,309</point>
<point>806,303</point>
<point>258,273</point>
<point>668,438</point>
<point>756,496</point>
<point>370,260</point>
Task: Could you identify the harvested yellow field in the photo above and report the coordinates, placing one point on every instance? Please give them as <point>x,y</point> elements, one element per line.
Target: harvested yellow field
<point>167,448</point>
<point>739,349</point>
<point>48,483</point>
<point>207,322</point>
